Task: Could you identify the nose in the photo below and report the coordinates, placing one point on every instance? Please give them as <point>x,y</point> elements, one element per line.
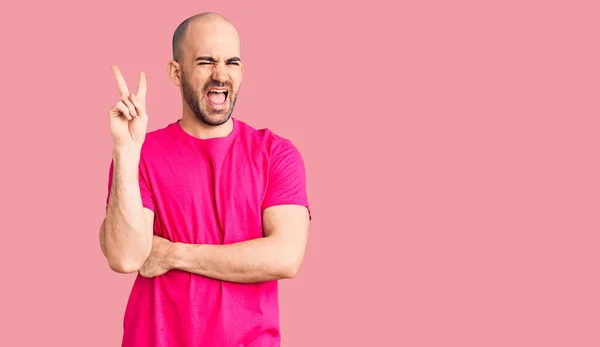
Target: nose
<point>220,73</point>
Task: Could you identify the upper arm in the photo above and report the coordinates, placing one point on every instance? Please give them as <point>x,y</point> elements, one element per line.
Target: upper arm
<point>285,208</point>
<point>289,225</point>
<point>286,221</point>
<point>286,178</point>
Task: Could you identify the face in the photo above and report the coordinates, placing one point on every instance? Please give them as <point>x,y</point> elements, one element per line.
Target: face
<point>211,72</point>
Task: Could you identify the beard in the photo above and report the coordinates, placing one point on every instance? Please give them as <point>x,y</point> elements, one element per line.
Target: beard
<point>214,118</point>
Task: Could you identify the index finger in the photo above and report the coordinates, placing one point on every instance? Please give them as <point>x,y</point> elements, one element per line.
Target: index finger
<point>141,93</point>
<point>121,85</point>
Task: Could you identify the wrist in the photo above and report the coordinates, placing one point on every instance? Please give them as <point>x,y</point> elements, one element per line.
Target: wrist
<point>126,152</point>
<point>126,161</point>
<point>175,255</point>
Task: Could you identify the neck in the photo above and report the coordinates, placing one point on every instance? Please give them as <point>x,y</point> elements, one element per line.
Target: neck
<point>195,127</point>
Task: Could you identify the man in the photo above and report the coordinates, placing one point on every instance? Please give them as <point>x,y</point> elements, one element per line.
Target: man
<point>209,211</point>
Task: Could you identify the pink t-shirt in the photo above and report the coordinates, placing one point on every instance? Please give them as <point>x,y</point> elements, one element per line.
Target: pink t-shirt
<point>210,191</point>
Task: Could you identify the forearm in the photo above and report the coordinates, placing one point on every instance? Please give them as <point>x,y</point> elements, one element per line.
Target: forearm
<point>256,260</point>
<point>127,243</point>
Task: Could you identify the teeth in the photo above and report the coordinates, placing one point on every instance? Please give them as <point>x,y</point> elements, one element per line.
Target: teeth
<point>218,91</point>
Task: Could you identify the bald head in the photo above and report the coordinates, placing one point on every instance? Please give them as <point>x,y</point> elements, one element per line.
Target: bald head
<point>207,66</point>
<point>188,32</point>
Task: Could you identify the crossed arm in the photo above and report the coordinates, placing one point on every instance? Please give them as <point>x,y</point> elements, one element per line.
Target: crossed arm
<point>127,241</point>
<point>277,255</point>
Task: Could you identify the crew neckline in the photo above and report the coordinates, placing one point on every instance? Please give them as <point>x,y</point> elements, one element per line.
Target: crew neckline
<point>182,133</point>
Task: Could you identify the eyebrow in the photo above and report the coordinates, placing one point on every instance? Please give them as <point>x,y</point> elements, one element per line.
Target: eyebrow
<point>213,60</point>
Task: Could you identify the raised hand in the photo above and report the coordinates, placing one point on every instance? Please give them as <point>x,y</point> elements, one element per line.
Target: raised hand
<point>128,118</point>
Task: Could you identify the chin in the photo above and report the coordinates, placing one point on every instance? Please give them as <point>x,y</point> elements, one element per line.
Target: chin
<point>215,119</point>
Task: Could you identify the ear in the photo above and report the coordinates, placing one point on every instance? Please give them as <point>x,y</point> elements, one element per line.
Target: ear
<point>174,71</point>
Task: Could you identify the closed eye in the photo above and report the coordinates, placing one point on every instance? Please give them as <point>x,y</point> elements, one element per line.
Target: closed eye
<point>209,61</point>
<point>234,61</point>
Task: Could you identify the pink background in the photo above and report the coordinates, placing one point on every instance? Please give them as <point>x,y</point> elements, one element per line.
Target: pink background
<point>451,149</point>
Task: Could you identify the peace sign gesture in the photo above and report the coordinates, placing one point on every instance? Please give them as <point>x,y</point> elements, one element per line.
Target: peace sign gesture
<point>128,119</point>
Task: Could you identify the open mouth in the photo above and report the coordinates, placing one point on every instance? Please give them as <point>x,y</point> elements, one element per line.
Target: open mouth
<point>217,96</point>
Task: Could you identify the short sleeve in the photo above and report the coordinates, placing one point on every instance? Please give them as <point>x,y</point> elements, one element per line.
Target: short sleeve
<point>287,178</point>
<point>146,192</point>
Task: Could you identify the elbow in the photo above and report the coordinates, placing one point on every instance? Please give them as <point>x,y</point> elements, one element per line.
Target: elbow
<point>289,269</point>
<point>125,266</point>
<point>124,261</point>
<point>289,273</point>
